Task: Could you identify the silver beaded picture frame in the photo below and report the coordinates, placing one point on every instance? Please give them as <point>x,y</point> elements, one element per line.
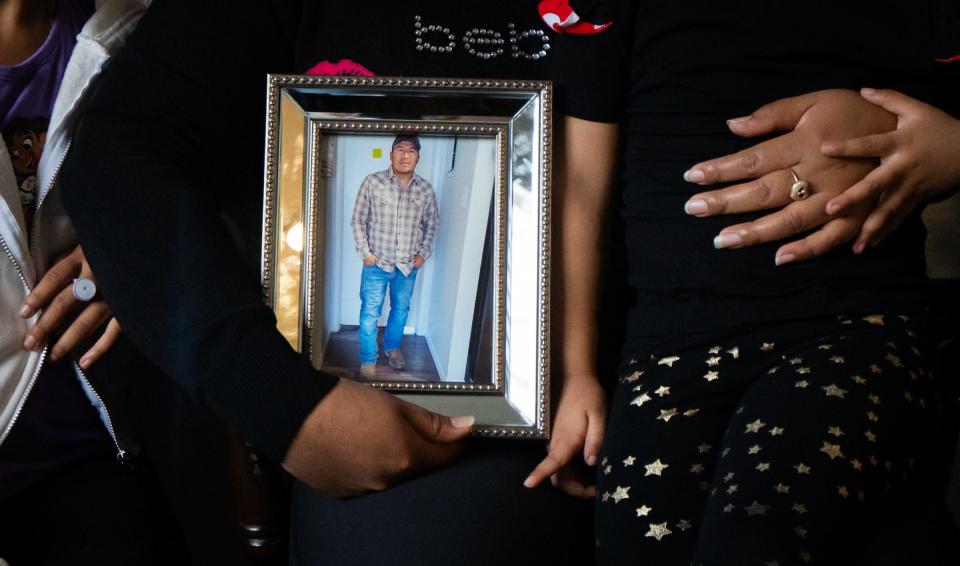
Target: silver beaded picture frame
<point>476,313</point>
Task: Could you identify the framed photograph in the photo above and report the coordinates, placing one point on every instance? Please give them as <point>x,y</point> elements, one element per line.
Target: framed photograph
<point>406,238</point>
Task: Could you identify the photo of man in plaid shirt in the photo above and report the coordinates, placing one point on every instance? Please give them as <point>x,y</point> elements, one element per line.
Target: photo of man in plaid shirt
<point>394,222</point>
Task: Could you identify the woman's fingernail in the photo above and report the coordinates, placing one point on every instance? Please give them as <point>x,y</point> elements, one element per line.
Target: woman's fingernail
<point>832,208</point>
<point>29,342</point>
<point>695,207</point>
<point>727,240</point>
<point>866,91</point>
<point>784,259</point>
<point>592,460</point>
<point>528,482</point>
<point>739,120</point>
<point>462,422</point>
<point>84,363</point>
<point>26,311</point>
<point>693,176</point>
<point>830,148</point>
<point>858,248</point>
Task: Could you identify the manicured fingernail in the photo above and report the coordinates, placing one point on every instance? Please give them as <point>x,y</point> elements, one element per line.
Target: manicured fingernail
<point>830,148</point>
<point>592,460</point>
<point>727,240</point>
<point>462,422</point>
<point>693,176</point>
<point>528,482</point>
<point>866,91</point>
<point>832,208</point>
<point>739,120</point>
<point>695,207</point>
<point>784,259</point>
<point>858,248</point>
<point>26,311</point>
<point>29,342</point>
<point>84,363</point>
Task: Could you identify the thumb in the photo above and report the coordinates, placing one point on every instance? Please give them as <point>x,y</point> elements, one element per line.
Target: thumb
<point>435,427</point>
<point>779,116</point>
<point>890,100</point>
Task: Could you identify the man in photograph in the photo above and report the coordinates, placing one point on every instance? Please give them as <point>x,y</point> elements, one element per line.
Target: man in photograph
<point>394,224</point>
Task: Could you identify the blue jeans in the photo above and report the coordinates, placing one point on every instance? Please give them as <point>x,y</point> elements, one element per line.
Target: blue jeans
<point>373,288</point>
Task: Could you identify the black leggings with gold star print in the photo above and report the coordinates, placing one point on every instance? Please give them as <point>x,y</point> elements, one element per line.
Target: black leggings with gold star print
<point>781,446</point>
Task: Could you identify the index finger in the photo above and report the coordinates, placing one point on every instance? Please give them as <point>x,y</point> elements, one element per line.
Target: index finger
<point>765,157</point>
<point>55,280</point>
<point>558,457</point>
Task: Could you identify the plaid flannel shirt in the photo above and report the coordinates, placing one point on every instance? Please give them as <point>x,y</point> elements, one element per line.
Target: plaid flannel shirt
<point>393,223</point>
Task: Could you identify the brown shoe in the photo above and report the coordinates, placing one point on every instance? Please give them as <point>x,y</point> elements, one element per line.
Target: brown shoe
<point>368,371</point>
<point>396,359</point>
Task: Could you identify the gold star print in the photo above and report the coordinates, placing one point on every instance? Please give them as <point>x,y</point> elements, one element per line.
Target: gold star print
<point>837,359</point>
<point>767,346</point>
<point>915,350</point>
<point>870,436</point>
<point>763,466</point>
<point>781,488</point>
<point>802,384</point>
<point>832,450</point>
<point>858,380</point>
<point>799,508</point>
<point>703,448</point>
<point>825,346</point>
<point>629,460</point>
<point>696,468</point>
<point>755,449</point>
<point>891,345</point>
<point>639,387</point>
<point>922,403</point>
<point>874,461</point>
<point>796,361</point>
<point>714,351</point>
<point>643,511</point>
<point>856,464</point>
<point>801,532</point>
<point>667,414</point>
<point>732,489</point>
<point>725,452</point>
<point>607,470</point>
<point>875,368</point>
<point>805,556</point>
<point>668,361</point>
<point>728,477</point>
<point>774,369</point>
<point>911,334</point>
<point>776,431</point>
<point>755,509</point>
<point>802,468</point>
<point>606,496</point>
<point>874,319</point>
<point>690,412</point>
<point>740,409</point>
<point>833,391</point>
<point>655,468</point>
<point>684,524</point>
<point>658,531</point>
<point>907,396</point>
<point>835,430</point>
<point>755,426</point>
<point>842,491</point>
<point>662,391</point>
<point>633,377</point>
<point>711,375</point>
<point>735,352</point>
<point>903,317</point>
<point>604,461</point>
<point>728,508</point>
<point>874,399</point>
<point>714,361</point>
<point>894,360</point>
<point>803,370</point>
<point>639,401</point>
<point>620,494</point>
<point>872,416</point>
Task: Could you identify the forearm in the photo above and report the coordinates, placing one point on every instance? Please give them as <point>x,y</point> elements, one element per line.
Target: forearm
<point>583,186</point>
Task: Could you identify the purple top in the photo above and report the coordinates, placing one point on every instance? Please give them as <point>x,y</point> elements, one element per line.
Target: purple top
<point>57,424</point>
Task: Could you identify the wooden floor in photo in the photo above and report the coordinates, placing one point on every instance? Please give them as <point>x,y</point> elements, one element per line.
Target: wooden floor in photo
<point>342,357</point>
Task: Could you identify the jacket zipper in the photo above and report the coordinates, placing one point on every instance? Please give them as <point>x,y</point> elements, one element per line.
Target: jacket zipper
<point>121,453</point>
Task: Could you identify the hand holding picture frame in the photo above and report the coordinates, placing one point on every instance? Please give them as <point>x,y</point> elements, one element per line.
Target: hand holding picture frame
<point>407,238</point>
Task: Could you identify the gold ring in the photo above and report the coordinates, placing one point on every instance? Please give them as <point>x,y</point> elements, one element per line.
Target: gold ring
<point>800,189</point>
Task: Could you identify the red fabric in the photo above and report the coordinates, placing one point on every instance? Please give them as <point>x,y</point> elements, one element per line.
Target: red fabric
<point>560,16</point>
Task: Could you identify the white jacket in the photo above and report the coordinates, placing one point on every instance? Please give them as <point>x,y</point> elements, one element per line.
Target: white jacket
<point>23,264</point>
